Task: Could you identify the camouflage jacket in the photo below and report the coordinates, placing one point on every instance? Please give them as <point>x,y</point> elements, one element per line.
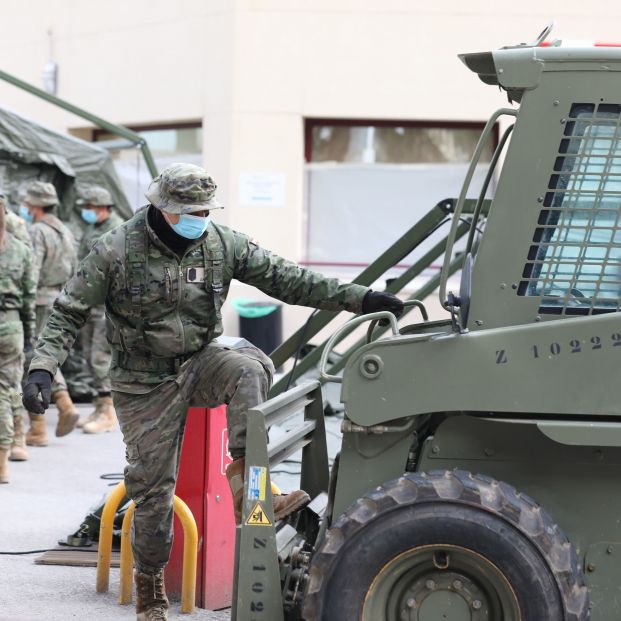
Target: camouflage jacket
<point>54,257</point>
<point>18,287</point>
<point>17,227</point>
<point>94,231</point>
<point>160,309</point>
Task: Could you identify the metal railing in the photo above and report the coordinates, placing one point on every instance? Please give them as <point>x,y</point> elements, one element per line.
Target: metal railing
<point>258,585</point>
<point>190,549</point>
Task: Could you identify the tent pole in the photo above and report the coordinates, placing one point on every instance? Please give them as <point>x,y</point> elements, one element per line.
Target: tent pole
<point>113,128</point>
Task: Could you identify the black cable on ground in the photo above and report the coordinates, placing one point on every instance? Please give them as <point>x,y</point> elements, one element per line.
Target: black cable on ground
<point>69,549</point>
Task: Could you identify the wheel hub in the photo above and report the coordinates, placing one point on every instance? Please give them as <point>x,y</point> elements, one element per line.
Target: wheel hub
<point>445,595</point>
<point>440,583</point>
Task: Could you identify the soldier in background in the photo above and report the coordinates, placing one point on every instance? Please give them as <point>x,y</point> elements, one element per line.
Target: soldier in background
<point>18,228</point>
<point>54,260</point>
<point>163,276</point>
<point>96,203</point>
<point>18,288</point>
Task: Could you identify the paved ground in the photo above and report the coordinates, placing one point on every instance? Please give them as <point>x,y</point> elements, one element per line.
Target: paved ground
<point>46,500</point>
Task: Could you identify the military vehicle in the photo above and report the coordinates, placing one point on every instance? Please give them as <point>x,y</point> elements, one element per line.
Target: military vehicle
<point>481,454</point>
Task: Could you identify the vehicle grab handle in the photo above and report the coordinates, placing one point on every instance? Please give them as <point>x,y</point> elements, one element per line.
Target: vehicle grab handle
<point>345,329</point>
<point>450,240</point>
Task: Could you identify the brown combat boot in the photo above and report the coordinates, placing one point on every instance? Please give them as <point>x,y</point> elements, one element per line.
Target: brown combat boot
<point>151,600</point>
<point>18,447</point>
<point>105,417</point>
<point>88,419</point>
<point>37,434</point>
<point>67,414</point>
<point>4,464</point>
<point>284,504</point>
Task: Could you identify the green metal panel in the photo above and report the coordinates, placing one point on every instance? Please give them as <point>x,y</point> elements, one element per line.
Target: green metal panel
<point>367,461</point>
<point>577,485</point>
<point>568,367</point>
<point>523,183</point>
<point>257,594</point>
<point>256,589</point>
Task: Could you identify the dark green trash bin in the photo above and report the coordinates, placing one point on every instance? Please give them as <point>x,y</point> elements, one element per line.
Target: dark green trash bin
<point>260,323</point>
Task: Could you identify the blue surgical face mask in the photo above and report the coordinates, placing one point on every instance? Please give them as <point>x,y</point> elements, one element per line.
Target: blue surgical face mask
<point>89,215</point>
<point>191,227</point>
<point>25,214</point>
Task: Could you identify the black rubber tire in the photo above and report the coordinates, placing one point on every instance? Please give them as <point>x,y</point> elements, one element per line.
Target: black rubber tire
<point>456,508</point>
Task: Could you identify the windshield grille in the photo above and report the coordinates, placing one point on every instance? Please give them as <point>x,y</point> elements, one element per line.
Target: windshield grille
<point>574,264</point>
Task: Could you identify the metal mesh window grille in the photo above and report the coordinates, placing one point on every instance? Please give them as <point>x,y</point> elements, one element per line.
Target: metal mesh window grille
<point>574,263</point>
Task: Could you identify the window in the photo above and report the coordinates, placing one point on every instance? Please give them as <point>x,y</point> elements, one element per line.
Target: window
<point>394,144</point>
<point>574,264</point>
<point>169,143</point>
<point>165,139</point>
<point>368,182</point>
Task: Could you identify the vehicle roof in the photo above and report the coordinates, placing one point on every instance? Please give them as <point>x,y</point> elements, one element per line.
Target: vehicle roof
<point>520,68</point>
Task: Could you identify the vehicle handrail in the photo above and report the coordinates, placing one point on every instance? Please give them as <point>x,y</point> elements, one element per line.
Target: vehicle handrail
<point>485,134</point>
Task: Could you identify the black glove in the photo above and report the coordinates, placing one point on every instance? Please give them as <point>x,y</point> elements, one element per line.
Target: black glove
<point>38,382</point>
<point>378,301</point>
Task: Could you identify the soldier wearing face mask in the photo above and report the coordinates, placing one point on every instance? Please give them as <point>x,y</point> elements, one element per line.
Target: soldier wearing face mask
<point>163,277</point>
<point>97,211</point>
<point>53,248</point>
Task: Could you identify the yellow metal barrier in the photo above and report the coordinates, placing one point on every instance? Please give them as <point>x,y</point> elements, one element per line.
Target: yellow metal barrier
<point>190,550</point>
<point>105,537</point>
<point>127,557</point>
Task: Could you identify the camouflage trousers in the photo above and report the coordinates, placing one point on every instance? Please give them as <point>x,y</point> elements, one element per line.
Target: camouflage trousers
<point>153,426</point>
<point>96,349</point>
<point>11,370</point>
<point>43,312</point>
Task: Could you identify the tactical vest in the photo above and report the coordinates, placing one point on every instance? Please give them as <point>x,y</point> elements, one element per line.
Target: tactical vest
<point>137,270</point>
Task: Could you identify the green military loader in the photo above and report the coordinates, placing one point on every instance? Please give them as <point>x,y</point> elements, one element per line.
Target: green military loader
<point>480,463</point>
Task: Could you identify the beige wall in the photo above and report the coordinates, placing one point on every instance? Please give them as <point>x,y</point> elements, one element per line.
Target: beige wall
<point>253,69</point>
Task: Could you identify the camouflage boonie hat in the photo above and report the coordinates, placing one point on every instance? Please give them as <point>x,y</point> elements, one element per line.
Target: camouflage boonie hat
<point>94,195</point>
<point>183,188</point>
<point>41,194</point>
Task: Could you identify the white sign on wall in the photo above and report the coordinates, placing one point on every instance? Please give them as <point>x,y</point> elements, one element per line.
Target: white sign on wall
<point>262,189</point>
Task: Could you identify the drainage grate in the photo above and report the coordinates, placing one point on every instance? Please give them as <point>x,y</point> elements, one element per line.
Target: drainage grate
<point>574,264</point>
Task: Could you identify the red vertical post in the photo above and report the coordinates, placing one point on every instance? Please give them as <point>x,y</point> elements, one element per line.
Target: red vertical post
<point>190,488</point>
<point>219,521</point>
<point>202,484</point>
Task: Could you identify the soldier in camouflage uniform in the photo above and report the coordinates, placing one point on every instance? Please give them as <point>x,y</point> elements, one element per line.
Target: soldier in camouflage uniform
<point>96,203</point>
<point>163,277</point>
<point>18,288</point>
<point>54,260</point>
<point>17,227</point>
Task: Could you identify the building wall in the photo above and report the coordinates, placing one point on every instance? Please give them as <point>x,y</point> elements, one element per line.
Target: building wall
<point>252,70</point>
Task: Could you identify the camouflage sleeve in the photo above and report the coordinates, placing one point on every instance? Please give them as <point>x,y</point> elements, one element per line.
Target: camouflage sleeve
<point>291,283</point>
<point>87,288</point>
<point>29,295</point>
<point>38,249</point>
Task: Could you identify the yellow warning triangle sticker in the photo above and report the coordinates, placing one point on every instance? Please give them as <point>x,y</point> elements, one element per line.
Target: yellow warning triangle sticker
<point>258,517</point>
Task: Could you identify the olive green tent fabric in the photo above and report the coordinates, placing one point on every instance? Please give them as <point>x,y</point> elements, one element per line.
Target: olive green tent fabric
<point>30,151</point>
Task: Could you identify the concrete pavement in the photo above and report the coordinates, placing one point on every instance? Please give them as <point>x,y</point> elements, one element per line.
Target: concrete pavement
<point>47,498</point>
